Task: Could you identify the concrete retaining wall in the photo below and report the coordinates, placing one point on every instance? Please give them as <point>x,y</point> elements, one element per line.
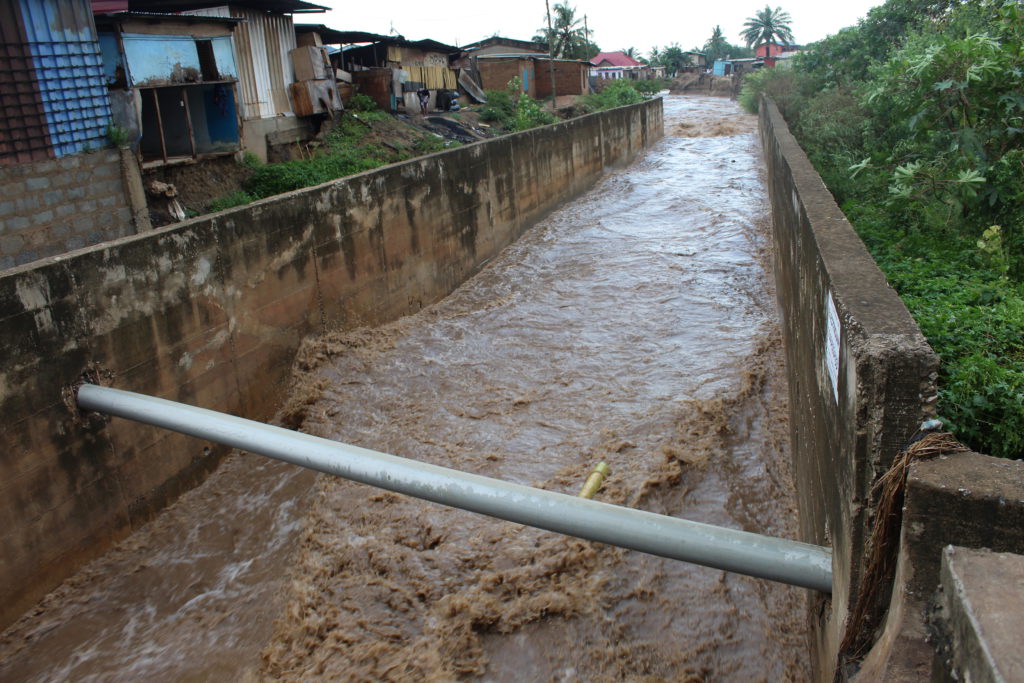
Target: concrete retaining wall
<point>211,311</point>
<point>845,436</point>
<point>51,207</point>
<point>855,401</point>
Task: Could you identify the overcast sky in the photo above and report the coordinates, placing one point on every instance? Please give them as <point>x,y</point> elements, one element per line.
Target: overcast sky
<point>615,24</point>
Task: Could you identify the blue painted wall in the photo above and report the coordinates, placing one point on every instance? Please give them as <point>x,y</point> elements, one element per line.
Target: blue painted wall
<point>69,69</point>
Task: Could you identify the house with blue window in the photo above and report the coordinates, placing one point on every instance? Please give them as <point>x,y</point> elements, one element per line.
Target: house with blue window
<point>173,84</point>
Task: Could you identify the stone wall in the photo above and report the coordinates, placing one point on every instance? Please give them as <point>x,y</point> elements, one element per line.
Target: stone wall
<point>212,310</point>
<point>54,206</point>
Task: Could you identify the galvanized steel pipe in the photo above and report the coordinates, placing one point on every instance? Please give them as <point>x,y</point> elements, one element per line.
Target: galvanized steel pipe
<point>792,562</point>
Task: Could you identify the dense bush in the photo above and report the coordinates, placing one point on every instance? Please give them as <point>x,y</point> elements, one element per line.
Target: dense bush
<point>360,102</point>
<point>915,119</point>
<point>779,84</point>
<point>513,110</point>
<point>500,107</point>
<point>618,93</point>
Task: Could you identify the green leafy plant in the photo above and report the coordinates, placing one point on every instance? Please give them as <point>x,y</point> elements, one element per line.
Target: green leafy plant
<point>250,160</point>
<point>618,93</point>
<point>915,120</point>
<point>500,107</point>
<point>118,136</point>
<point>529,114</point>
<point>237,198</point>
<point>513,110</point>
<point>360,102</point>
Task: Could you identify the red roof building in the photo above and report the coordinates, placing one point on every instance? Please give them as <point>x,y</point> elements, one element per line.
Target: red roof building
<point>614,59</point>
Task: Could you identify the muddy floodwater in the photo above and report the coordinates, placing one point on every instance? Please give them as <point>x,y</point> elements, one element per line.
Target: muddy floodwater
<point>635,325</point>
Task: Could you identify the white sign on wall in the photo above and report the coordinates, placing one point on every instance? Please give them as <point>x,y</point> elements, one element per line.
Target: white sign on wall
<point>833,334</point>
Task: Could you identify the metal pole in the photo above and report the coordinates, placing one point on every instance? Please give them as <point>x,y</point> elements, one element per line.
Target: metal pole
<point>792,562</point>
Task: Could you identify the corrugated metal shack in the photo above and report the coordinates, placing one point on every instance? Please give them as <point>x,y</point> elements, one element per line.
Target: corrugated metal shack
<point>412,64</point>
<point>53,96</point>
<point>261,44</point>
<point>319,35</point>
<point>173,82</point>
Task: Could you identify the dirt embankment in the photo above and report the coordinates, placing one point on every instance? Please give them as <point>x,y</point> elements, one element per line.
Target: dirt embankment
<point>705,84</point>
<point>196,186</point>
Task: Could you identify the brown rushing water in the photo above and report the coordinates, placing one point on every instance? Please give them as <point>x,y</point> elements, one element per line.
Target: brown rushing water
<point>636,326</point>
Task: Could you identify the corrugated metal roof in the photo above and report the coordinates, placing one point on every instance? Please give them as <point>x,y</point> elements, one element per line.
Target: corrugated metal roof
<point>509,42</point>
<point>104,6</point>
<point>69,71</point>
<point>276,6</point>
<point>331,36</point>
<point>24,135</point>
<point>428,45</point>
<point>108,18</point>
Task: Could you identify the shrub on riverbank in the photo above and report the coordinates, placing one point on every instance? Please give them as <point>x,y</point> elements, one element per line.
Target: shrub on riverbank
<point>512,110</point>
<point>915,120</point>
<point>618,93</point>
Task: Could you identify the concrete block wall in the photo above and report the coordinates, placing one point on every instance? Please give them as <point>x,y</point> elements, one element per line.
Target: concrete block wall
<point>570,78</point>
<point>983,615</point>
<point>53,206</point>
<point>212,310</point>
<point>495,74</point>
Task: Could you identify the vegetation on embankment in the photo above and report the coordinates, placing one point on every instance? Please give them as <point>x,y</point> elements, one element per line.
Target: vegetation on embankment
<point>915,120</point>
<point>361,138</point>
<point>511,110</point>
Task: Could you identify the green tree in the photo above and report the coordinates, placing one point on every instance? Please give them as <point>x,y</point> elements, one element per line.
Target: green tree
<point>674,59</point>
<point>768,26</point>
<point>567,38</point>
<point>716,47</point>
<point>915,120</point>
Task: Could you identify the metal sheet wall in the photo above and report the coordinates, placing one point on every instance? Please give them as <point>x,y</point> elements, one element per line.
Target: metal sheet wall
<point>69,71</point>
<point>262,44</point>
<point>24,133</point>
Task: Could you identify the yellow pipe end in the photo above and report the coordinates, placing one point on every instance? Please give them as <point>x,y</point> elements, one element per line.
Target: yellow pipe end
<point>594,481</point>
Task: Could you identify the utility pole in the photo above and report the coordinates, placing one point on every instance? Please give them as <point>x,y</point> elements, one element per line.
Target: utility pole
<point>551,59</point>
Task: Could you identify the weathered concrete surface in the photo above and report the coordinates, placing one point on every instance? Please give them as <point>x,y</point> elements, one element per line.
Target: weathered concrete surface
<point>843,437</point>
<point>968,500</point>
<point>982,606</point>
<point>211,311</point>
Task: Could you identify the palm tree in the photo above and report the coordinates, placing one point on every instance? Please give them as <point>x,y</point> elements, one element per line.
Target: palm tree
<point>566,39</point>
<point>674,59</point>
<point>768,26</point>
<point>716,47</point>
